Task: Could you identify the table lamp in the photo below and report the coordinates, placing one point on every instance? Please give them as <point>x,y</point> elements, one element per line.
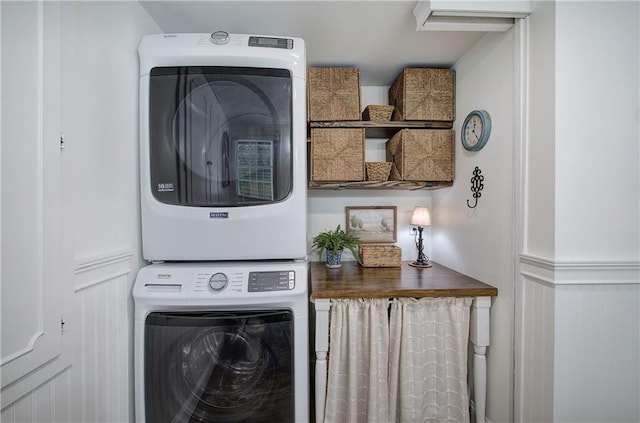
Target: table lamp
<point>420,218</point>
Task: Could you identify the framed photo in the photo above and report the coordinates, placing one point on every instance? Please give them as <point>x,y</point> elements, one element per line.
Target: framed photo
<point>372,224</point>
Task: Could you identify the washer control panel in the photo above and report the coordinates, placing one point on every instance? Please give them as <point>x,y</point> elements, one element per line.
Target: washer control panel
<point>242,281</point>
<point>272,281</point>
<point>225,283</point>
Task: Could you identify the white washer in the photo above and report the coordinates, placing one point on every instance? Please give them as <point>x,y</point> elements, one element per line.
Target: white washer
<point>223,341</point>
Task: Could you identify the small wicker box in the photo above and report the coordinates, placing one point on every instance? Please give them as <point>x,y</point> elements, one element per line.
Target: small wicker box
<point>378,171</point>
<point>337,154</point>
<point>424,94</point>
<point>422,155</point>
<point>333,94</point>
<point>376,255</point>
<point>377,112</point>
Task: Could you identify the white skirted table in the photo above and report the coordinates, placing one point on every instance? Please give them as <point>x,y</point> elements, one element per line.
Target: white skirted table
<point>354,281</point>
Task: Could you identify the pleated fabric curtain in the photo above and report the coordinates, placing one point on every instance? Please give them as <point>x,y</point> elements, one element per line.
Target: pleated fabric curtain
<point>428,360</point>
<point>357,384</point>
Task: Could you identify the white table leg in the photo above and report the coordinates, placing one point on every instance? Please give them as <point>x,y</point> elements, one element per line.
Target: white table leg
<point>479,333</point>
<point>322,307</point>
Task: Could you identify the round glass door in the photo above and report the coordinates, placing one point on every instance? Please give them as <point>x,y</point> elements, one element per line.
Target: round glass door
<point>220,136</point>
<point>219,367</point>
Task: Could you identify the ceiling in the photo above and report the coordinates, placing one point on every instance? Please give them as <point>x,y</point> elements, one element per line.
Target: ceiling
<point>379,37</point>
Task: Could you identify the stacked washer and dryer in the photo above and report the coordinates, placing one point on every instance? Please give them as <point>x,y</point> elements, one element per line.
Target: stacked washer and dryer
<point>221,313</point>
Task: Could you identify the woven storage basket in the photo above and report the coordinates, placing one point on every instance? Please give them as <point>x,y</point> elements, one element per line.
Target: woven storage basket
<point>374,255</point>
<point>333,94</point>
<point>422,155</point>
<point>377,112</point>
<point>424,94</point>
<point>337,154</point>
<point>378,171</point>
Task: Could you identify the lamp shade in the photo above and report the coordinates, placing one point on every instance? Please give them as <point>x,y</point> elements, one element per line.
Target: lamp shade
<point>420,217</point>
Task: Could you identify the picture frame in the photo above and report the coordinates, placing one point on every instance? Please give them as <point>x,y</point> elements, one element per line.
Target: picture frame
<point>372,224</point>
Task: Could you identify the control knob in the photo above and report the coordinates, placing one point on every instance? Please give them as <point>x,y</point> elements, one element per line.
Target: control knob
<point>218,281</point>
<point>220,38</point>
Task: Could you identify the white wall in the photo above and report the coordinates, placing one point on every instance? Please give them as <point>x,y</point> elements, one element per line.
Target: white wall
<point>100,173</point>
<point>326,209</point>
<point>539,158</point>
<point>598,141</point>
<point>597,131</point>
<point>535,296</point>
<point>100,247</point>
<point>478,242</point>
<point>100,122</point>
<point>578,340</point>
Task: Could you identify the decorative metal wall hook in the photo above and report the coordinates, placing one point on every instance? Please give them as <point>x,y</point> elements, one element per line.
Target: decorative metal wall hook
<point>476,186</point>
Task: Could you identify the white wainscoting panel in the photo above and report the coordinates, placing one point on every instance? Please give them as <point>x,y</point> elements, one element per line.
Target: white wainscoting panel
<point>101,374</point>
<point>597,353</point>
<point>95,388</point>
<point>49,402</point>
<point>534,351</point>
<point>578,342</point>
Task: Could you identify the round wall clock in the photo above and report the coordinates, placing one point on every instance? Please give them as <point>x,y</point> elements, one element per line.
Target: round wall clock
<point>476,130</point>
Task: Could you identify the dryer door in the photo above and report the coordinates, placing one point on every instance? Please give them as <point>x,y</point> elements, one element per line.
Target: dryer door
<point>220,136</point>
<point>219,367</point>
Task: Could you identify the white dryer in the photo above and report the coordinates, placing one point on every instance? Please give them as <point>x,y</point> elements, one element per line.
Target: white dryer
<point>223,143</point>
<point>222,342</point>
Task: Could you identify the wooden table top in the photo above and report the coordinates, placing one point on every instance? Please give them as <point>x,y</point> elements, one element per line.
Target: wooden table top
<point>354,281</point>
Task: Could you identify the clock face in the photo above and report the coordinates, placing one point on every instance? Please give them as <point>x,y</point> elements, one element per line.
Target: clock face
<point>475,130</point>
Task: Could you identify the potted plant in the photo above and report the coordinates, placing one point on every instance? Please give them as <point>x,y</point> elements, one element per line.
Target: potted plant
<point>333,243</point>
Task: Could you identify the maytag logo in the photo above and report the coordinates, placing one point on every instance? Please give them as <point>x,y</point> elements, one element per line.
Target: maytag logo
<point>218,215</point>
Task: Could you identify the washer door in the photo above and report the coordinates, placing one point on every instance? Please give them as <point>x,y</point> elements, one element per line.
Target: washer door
<point>219,367</point>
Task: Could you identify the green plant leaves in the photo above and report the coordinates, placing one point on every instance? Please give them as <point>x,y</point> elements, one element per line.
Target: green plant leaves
<point>336,240</point>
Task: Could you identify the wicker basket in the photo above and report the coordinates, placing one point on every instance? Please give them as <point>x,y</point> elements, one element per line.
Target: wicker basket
<point>333,94</point>
<point>337,154</point>
<point>378,171</point>
<point>424,94</point>
<point>422,155</point>
<point>375,255</point>
<point>377,112</point>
